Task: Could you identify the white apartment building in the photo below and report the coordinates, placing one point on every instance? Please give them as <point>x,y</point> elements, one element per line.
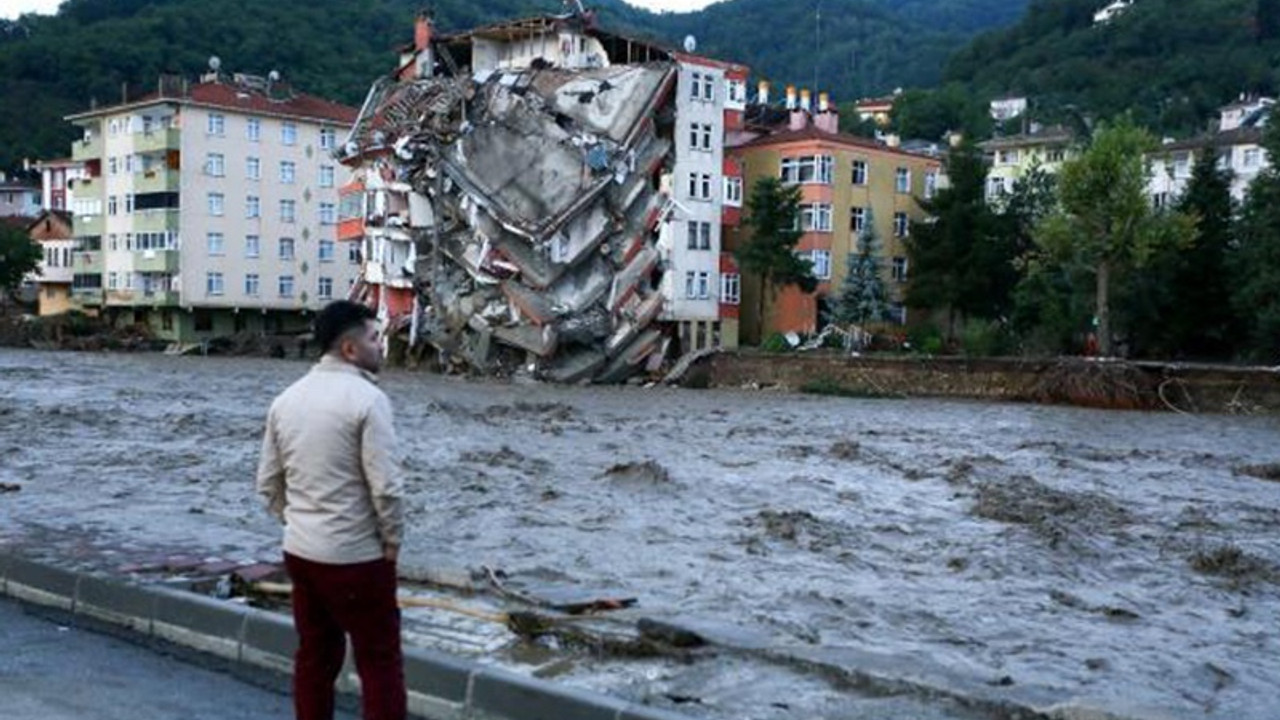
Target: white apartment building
<point>1237,142</point>
<point>209,209</point>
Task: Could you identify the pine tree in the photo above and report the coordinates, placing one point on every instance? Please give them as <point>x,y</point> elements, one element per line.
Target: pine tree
<point>862,297</point>
<point>1256,262</point>
<point>769,253</point>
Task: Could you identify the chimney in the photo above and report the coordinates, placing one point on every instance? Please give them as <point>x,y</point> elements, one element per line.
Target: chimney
<point>806,103</point>
<point>422,32</point>
<point>824,102</point>
<point>762,95</point>
<point>791,97</point>
<point>828,117</point>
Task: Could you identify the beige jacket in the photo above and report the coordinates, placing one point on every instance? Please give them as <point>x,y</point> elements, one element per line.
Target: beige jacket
<point>328,469</point>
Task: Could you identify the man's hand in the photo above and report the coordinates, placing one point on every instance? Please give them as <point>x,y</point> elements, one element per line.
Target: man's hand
<point>391,553</point>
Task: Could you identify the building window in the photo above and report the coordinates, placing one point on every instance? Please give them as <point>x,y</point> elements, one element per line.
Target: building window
<point>857,220</point>
<point>253,168</point>
<point>901,226</point>
<point>699,235</point>
<point>286,249</point>
<point>1057,155</point>
<point>215,243</point>
<point>704,285</point>
<point>731,289</point>
<point>326,251</point>
<point>252,206</point>
<point>736,92</point>
<point>288,172</point>
<point>252,285</point>
<point>900,269</point>
<point>930,185</point>
<point>859,172</point>
<point>903,180</point>
<point>328,138</point>
<point>328,213</point>
<point>326,176</point>
<point>691,285</point>
<point>113,167</point>
<point>1252,158</point>
<point>252,246</point>
<point>128,203</point>
<point>1008,157</point>
<point>815,217</point>
<point>325,289</point>
<point>1160,200</point>
<point>289,133</point>
<point>113,281</point>
<point>113,205</point>
<point>217,204</point>
<point>288,211</point>
<point>353,253</point>
<point>733,191</point>
<point>808,169</point>
<point>286,286</point>
<point>821,261</point>
<point>217,124</point>
<point>213,284</point>
<point>700,186</point>
<point>1182,165</point>
<point>253,130</point>
<point>700,136</point>
<point>215,165</point>
<point>695,87</point>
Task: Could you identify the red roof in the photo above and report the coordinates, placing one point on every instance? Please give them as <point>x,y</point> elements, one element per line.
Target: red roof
<point>246,100</point>
<point>813,133</point>
<point>710,62</point>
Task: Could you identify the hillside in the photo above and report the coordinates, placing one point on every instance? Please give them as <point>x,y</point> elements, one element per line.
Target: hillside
<point>51,66</point>
<point>1169,62</point>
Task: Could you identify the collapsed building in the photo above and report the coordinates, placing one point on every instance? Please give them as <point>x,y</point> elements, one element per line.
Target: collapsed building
<point>512,191</point>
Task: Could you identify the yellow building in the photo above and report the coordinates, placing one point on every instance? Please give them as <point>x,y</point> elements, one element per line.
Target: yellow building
<point>1014,156</point>
<point>52,231</point>
<point>846,182</point>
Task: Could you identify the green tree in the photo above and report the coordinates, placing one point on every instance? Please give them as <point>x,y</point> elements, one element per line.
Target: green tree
<point>1256,262</point>
<point>1105,221</point>
<point>769,253</point>
<point>862,298</point>
<point>1267,17</point>
<point>19,255</point>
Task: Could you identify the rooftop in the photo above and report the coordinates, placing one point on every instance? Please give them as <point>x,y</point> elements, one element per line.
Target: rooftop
<point>812,133</point>
<point>241,94</point>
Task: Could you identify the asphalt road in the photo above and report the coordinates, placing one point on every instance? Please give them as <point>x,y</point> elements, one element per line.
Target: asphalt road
<point>50,671</point>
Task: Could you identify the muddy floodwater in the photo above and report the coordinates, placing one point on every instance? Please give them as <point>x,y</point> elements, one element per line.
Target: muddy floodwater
<point>1126,561</point>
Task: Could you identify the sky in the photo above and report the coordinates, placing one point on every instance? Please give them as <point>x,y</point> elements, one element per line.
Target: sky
<point>14,8</point>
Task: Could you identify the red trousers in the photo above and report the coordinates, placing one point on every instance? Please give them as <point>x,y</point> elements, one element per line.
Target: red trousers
<point>329,603</point>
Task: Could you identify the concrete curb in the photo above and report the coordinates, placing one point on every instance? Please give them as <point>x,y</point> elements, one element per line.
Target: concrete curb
<point>249,640</point>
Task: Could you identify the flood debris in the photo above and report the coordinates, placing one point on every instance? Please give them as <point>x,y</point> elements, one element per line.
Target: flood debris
<point>1058,516</point>
<point>10,487</point>
<point>1267,471</point>
<point>510,208</point>
<point>1230,561</point>
<point>647,473</point>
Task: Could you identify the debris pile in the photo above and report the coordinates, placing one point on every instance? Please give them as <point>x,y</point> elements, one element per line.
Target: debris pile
<point>529,202</point>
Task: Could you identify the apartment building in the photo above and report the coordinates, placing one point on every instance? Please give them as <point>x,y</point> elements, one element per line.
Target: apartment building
<point>18,199</point>
<point>1236,140</point>
<point>1013,156</point>
<point>846,182</point>
<point>51,229</point>
<point>55,177</point>
<point>210,208</point>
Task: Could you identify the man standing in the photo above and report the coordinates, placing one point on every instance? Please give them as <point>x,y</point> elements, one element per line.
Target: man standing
<point>328,473</point>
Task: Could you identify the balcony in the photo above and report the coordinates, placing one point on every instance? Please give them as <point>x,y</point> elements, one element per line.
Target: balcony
<point>158,140</point>
<point>86,297</point>
<point>92,150</point>
<point>155,220</point>
<point>156,298</point>
<point>88,225</point>
<point>87,263</point>
<point>54,275</point>
<point>163,180</point>
<point>155,261</point>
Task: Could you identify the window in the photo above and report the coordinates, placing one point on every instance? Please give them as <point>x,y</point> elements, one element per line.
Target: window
<point>733,191</point>
<point>217,204</point>
<point>113,205</point>
<point>857,220</point>
<point>1182,165</point>
<point>1252,157</point>
<point>326,251</point>
<point>328,213</point>
<point>113,280</point>
<point>815,217</point>
<point>289,133</point>
<point>217,125</point>
<point>252,206</point>
<point>704,285</point>
<point>700,136</point>
<point>286,249</point>
<point>808,169</point>
<point>699,186</point>
<point>253,130</point>
<point>252,246</point>
<point>695,87</point>
<point>128,203</point>
<point>214,242</point>
<point>731,289</point>
<point>903,182</point>
<point>213,284</point>
<point>215,165</point>
<point>288,172</point>
<point>1057,155</point>
<point>288,211</point>
<point>286,286</point>
<point>252,285</point>
<point>930,184</point>
<point>325,289</point>
<point>736,92</point>
<point>253,168</point>
<point>326,176</point>
<point>699,235</point>
<point>900,269</point>
<point>859,172</point>
<point>691,285</point>
<point>328,138</point>
<point>353,253</point>
<point>708,88</point>
<point>821,260</point>
<point>1008,157</point>
<point>901,226</point>
<point>1160,200</point>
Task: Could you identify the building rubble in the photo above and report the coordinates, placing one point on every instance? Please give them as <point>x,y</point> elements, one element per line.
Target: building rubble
<point>520,210</point>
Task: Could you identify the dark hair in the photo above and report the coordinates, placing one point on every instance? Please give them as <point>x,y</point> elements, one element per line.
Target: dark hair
<point>337,318</point>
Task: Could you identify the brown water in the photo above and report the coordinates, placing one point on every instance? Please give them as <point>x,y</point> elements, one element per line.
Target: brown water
<point>1116,559</point>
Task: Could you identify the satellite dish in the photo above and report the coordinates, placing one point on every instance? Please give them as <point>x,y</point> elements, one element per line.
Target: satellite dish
<point>215,63</point>
<point>274,76</point>
<point>690,44</point>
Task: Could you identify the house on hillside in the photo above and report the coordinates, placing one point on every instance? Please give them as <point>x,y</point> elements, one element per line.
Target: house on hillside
<point>1112,11</point>
<point>1237,142</point>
